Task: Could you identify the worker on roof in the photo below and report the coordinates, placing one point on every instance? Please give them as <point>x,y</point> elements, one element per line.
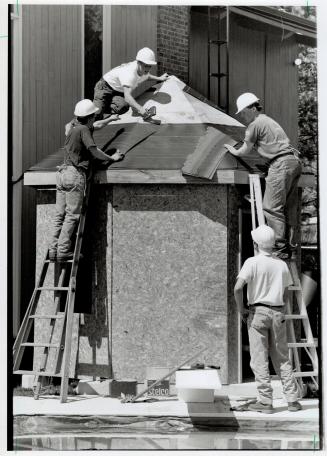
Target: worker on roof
<point>267,279</point>
<point>281,195</point>
<point>113,93</point>
<point>80,151</point>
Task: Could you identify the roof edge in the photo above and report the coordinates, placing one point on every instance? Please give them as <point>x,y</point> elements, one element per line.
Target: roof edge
<point>281,19</point>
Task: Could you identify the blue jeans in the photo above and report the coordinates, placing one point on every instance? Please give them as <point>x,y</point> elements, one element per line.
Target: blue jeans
<point>267,337</point>
<point>280,202</point>
<point>71,184</point>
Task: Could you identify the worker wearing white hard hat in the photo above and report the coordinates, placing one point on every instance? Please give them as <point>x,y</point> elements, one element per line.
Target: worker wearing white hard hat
<point>267,279</point>
<point>283,170</point>
<point>264,237</point>
<point>113,93</point>
<point>79,151</point>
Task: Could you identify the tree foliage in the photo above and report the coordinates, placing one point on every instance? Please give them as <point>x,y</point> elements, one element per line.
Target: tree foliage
<point>307,90</point>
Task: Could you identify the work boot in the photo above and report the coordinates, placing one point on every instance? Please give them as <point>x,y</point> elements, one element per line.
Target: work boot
<point>62,257</point>
<point>294,406</point>
<point>52,255</point>
<point>260,407</point>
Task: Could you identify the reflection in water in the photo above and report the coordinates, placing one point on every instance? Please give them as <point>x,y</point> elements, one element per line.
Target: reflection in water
<point>214,440</point>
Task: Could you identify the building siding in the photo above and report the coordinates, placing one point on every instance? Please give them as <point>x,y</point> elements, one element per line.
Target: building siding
<point>259,62</point>
<point>131,28</point>
<point>51,65</point>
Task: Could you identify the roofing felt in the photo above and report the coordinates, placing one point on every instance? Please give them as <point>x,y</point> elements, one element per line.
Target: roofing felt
<point>185,122</point>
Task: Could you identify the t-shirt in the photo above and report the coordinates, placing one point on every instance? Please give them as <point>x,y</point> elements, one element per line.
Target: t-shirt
<point>124,75</point>
<point>77,146</point>
<point>266,278</point>
<point>268,137</point>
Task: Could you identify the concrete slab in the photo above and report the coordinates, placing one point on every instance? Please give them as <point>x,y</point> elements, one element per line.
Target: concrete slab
<point>216,414</point>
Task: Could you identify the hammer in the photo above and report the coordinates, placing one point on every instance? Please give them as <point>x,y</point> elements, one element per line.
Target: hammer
<point>148,116</point>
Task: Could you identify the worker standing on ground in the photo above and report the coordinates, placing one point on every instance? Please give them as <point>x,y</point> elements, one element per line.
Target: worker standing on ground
<point>80,150</point>
<point>267,279</point>
<point>281,195</point>
<point>113,93</point>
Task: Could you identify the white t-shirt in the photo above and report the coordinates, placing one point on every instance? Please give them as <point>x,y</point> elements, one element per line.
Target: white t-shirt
<point>266,278</point>
<point>124,75</point>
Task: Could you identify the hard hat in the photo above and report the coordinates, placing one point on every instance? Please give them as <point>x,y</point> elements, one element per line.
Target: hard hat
<point>245,100</point>
<point>85,108</point>
<point>264,236</point>
<point>146,56</point>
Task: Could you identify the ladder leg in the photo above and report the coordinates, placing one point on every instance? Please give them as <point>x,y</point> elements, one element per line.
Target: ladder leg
<point>38,386</point>
<point>71,300</point>
<point>45,355</point>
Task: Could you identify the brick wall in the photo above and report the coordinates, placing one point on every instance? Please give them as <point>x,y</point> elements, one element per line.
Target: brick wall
<point>173,40</point>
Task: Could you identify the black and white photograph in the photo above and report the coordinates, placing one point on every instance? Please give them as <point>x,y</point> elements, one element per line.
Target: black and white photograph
<point>164,240</point>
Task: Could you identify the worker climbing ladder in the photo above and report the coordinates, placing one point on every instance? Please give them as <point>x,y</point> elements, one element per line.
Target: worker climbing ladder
<point>294,346</point>
<point>60,362</point>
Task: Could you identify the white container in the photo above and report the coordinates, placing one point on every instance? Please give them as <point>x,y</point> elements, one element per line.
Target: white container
<point>197,385</point>
<point>196,395</point>
<point>198,378</point>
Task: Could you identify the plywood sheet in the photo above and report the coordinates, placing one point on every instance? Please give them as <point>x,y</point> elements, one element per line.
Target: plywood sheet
<point>169,276</point>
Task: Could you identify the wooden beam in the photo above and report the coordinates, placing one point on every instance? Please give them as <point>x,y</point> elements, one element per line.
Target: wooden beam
<point>154,176</point>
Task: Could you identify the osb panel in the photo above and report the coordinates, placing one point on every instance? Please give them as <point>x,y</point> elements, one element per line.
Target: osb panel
<point>169,295</point>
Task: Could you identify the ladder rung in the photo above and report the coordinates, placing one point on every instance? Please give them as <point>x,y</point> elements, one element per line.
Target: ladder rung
<point>296,317</point>
<point>40,344</point>
<point>53,288</point>
<point>302,344</point>
<point>39,373</point>
<point>295,288</point>
<point>219,42</point>
<point>48,261</point>
<point>218,75</point>
<point>51,317</point>
<point>306,374</point>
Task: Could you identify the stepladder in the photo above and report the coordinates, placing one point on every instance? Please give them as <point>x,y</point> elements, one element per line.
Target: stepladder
<point>49,322</point>
<point>301,342</point>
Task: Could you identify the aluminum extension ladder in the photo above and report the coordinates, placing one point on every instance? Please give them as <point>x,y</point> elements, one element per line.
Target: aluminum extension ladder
<point>294,346</point>
<point>62,346</point>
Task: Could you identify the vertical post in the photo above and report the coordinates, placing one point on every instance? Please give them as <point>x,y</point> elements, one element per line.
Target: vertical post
<point>17,160</point>
<point>106,40</point>
<point>82,51</point>
<point>219,57</point>
<point>227,58</point>
<point>209,48</point>
<point>239,323</point>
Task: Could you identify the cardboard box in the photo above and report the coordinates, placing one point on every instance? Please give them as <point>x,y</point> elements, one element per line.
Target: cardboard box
<point>152,375</point>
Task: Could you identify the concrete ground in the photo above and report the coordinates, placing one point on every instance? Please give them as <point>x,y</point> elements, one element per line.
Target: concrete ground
<point>217,413</point>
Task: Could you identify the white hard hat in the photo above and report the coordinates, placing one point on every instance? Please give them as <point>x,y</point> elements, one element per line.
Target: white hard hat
<point>85,108</point>
<point>245,100</point>
<point>146,56</point>
<point>264,236</point>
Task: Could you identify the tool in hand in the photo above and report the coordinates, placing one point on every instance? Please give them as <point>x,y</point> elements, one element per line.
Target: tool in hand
<point>170,373</point>
<point>148,116</point>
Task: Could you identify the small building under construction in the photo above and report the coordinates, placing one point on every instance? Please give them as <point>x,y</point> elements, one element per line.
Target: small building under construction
<point>168,227</point>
